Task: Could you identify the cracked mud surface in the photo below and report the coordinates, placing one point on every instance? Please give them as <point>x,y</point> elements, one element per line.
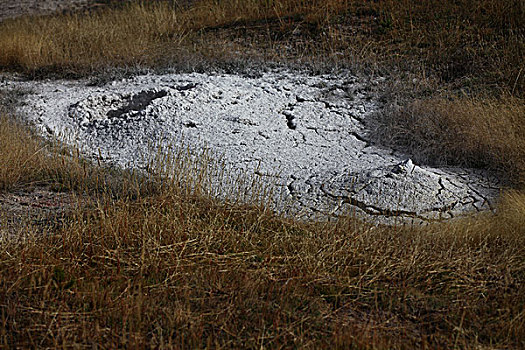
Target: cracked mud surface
<point>303,133</point>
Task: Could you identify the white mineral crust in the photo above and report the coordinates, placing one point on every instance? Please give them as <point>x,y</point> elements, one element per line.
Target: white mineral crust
<point>303,133</point>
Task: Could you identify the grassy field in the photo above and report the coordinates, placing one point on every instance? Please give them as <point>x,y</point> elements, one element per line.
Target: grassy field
<point>469,44</point>
<point>145,262</point>
<point>155,264</point>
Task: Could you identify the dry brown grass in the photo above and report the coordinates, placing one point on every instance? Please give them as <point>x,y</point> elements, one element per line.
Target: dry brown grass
<point>155,263</point>
<point>483,133</point>
<point>186,272</point>
<point>472,44</point>
<point>26,159</point>
<point>134,36</point>
<point>476,45</point>
<point>29,161</point>
<point>167,267</point>
<point>20,160</point>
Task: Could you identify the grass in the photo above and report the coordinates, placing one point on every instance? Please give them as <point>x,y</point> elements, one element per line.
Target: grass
<point>147,262</point>
<point>118,37</point>
<point>462,43</point>
<point>171,268</point>
<point>478,132</point>
<point>25,160</point>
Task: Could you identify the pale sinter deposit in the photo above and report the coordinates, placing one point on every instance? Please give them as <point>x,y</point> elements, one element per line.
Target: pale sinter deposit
<point>304,133</point>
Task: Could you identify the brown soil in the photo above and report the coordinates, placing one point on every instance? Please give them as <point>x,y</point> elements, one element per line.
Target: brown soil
<point>39,206</point>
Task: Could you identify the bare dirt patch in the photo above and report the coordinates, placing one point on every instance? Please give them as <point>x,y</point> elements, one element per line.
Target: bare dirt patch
<point>304,134</point>
<point>39,206</point>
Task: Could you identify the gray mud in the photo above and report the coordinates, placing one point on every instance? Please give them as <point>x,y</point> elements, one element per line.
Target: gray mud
<point>306,134</point>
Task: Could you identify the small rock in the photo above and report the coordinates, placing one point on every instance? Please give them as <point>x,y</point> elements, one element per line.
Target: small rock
<point>405,167</point>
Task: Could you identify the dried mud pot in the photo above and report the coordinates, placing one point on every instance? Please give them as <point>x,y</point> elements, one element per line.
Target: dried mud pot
<point>304,133</point>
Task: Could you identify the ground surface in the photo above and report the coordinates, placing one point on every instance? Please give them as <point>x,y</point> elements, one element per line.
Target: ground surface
<point>33,206</point>
<point>303,133</point>
<point>136,261</point>
<point>10,8</point>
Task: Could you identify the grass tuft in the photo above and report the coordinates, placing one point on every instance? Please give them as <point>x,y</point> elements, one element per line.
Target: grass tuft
<point>483,133</point>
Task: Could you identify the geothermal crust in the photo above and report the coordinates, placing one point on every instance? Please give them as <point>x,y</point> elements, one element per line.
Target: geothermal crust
<point>305,134</point>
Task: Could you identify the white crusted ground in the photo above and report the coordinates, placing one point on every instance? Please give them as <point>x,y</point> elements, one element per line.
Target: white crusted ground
<point>305,133</point>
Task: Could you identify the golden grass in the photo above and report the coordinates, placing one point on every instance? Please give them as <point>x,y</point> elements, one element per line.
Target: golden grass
<point>130,36</point>
<point>28,161</point>
<point>156,263</point>
<point>167,267</point>
<point>186,273</point>
<point>463,43</point>
<point>478,132</point>
<point>22,158</point>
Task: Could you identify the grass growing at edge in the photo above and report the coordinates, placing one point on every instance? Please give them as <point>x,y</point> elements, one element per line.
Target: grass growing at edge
<point>485,133</point>
<point>27,160</point>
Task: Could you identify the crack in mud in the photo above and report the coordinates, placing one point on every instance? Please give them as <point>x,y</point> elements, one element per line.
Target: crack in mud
<point>378,211</point>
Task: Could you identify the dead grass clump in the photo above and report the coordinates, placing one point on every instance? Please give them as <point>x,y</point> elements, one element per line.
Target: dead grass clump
<point>487,133</point>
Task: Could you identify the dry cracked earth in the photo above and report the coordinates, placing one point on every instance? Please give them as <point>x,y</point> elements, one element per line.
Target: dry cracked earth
<point>303,134</point>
